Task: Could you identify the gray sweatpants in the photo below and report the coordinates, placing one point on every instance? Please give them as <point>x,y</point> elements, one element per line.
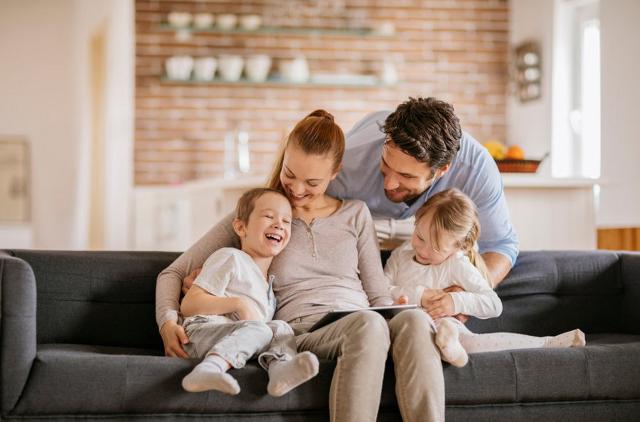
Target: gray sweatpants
<point>238,341</point>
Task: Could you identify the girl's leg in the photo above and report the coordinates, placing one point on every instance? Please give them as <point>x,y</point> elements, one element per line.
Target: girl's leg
<point>448,341</point>
<point>491,342</point>
<point>360,343</point>
<point>418,368</point>
<point>223,346</point>
<point>287,368</point>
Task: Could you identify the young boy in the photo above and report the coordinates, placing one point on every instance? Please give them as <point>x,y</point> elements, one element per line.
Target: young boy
<point>228,310</point>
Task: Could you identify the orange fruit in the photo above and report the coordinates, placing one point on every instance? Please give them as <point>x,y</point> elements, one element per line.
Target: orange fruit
<point>515,152</point>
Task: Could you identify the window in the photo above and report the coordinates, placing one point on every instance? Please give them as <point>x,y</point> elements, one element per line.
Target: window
<point>576,90</point>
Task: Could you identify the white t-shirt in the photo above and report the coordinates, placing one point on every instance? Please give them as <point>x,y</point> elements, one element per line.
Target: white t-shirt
<point>231,272</point>
<point>410,278</point>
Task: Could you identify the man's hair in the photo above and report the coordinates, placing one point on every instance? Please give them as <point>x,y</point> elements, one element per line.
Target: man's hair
<point>425,128</point>
<point>247,202</point>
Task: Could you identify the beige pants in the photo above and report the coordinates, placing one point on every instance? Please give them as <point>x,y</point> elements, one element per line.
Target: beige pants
<point>360,343</point>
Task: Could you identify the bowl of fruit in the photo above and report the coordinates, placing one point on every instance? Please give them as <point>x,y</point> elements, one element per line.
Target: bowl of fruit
<point>511,159</point>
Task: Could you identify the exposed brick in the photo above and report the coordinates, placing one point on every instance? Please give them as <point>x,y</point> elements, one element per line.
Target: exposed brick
<point>453,49</point>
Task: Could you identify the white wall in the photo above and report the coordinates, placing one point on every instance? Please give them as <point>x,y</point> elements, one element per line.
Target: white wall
<point>44,96</point>
<point>529,123</point>
<point>620,32</point>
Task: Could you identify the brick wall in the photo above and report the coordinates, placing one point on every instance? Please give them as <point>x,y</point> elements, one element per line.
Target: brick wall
<point>455,50</point>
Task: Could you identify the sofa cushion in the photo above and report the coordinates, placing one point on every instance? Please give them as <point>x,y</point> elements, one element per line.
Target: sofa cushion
<point>78,379</point>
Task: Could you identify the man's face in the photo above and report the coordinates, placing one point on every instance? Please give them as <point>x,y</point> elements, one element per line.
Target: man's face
<point>405,178</point>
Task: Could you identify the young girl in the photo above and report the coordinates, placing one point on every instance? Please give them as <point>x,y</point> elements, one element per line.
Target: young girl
<point>442,254</point>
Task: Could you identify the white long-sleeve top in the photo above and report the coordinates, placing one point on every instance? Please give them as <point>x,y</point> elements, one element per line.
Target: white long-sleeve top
<point>411,278</point>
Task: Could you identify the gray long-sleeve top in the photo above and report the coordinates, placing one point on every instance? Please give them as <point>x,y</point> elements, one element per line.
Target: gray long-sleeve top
<point>332,263</point>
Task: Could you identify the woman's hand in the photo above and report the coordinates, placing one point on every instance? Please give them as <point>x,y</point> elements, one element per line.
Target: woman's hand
<point>173,337</point>
<point>188,280</point>
<point>246,310</point>
<point>440,306</point>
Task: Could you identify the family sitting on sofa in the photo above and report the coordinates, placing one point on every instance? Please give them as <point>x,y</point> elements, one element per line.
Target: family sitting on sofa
<point>242,274</point>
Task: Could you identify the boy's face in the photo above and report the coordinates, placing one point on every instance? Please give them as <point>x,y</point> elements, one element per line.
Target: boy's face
<point>269,227</point>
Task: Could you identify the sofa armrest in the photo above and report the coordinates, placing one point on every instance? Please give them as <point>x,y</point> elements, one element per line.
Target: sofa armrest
<point>18,322</point>
<point>630,269</point>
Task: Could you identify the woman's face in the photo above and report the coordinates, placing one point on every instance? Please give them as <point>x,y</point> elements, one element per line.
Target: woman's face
<point>305,177</point>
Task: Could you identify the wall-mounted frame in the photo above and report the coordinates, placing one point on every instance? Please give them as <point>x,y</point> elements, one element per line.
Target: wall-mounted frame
<point>15,180</point>
<point>528,71</point>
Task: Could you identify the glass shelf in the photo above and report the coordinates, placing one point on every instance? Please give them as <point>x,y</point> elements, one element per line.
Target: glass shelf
<point>365,82</point>
<point>274,30</point>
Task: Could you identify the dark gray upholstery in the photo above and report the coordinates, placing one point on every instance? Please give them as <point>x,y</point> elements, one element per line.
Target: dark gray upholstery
<point>79,340</point>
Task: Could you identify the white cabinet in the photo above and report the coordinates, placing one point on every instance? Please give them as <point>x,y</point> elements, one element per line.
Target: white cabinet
<point>172,218</point>
<point>552,213</point>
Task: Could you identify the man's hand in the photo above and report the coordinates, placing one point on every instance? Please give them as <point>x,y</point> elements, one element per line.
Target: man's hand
<point>188,280</point>
<point>440,306</point>
<point>173,337</point>
<point>460,317</point>
<point>246,310</point>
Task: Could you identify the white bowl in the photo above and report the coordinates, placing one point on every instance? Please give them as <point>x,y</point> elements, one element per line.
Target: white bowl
<point>250,22</point>
<point>227,21</point>
<point>257,67</point>
<point>230,67</point>
<point>204,68</point>
<point>179,19</point>
<point>203,20</point>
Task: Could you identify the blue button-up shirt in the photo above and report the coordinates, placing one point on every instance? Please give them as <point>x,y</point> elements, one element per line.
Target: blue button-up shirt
<point>472,171</point>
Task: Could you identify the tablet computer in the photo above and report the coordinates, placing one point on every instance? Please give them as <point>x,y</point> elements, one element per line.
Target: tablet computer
<point>387,312</point>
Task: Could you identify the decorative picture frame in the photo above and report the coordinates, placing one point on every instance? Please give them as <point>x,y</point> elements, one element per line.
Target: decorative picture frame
<point>528,71</point>
<point>15,180</point>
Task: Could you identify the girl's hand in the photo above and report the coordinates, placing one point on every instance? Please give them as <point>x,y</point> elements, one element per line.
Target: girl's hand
<point>173,337</point>
<point>401,300</point>
<point>460,317</point>
<point>246,310</point>
<point>188,280</point>
<point>440,306</point>
<point>429,295</point>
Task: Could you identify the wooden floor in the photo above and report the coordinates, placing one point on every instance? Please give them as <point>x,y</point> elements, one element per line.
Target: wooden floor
<point>627,238</point>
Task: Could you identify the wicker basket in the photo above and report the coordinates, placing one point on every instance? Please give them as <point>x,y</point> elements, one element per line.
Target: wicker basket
<point>518,166</point>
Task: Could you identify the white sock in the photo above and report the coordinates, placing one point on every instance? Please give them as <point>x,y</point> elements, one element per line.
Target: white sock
<point>211,374</point>
<point>573,338</point>
<point>285,375</point>
<point>447,340</point>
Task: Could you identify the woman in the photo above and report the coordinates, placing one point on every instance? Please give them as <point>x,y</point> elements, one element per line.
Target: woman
<point>332,261</point>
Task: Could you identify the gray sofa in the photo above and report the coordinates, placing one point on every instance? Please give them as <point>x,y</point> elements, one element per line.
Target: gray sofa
<point>79,340</point>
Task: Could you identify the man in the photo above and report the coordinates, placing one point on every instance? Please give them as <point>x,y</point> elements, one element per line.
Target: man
<point>396,161</point>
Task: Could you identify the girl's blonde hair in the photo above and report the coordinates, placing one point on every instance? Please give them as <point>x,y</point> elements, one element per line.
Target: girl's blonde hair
<point>316,134</point>
<point>456,214</point>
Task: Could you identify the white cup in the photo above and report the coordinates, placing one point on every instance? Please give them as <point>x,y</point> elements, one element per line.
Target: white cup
<point>257,67</point>
<point>203,20</point>
<point>179,67</point>
<point>179,19</point>
<point>230,67</point>
<point>204,68</point>
<point>227,21</point>
<point>250,22</point>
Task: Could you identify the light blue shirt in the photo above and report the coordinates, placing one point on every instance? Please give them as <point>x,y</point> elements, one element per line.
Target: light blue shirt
<point>472,171</point>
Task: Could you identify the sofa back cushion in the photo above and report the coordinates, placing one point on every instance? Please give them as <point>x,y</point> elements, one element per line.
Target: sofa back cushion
<point>100,298</point>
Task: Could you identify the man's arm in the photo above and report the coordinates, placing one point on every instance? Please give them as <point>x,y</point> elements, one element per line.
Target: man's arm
<point>498,265</point>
